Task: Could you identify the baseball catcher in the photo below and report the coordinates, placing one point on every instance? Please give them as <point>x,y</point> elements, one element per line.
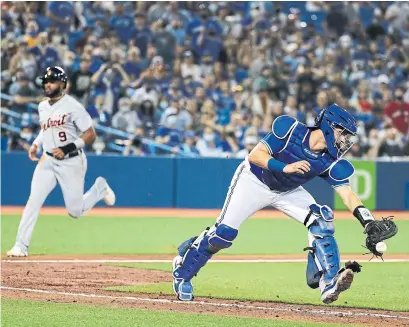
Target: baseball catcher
<point>273,174</point>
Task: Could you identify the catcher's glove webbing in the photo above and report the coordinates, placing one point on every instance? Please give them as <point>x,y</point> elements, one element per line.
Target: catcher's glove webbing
<point>378,231</point>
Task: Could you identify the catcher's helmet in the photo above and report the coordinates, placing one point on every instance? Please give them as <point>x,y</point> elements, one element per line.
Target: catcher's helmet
<point>336,117</point>
<point>54,74</point>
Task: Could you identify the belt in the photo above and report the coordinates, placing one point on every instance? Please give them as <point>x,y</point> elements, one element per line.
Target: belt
<point>70,155</point>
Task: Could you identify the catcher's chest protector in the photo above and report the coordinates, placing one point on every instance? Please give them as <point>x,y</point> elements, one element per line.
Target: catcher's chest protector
<point>296,149</point>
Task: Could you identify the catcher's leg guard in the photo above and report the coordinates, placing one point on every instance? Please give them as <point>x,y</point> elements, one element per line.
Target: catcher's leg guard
<point>194,254</point>
<point>323,268</point>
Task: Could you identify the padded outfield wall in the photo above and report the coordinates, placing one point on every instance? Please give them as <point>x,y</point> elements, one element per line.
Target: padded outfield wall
<point>165,182</point>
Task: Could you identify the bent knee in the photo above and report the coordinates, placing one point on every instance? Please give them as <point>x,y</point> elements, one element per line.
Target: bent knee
<point>222,237</point>
<point>321,221</point>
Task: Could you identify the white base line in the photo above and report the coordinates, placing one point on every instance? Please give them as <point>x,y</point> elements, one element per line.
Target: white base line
<point>290,308</point>
<point>169,261</point>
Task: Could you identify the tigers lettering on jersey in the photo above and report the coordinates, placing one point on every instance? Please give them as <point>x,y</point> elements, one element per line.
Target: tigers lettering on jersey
<point>55,122</point>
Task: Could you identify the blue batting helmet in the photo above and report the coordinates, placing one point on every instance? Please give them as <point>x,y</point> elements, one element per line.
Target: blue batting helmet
<point>339,128</point>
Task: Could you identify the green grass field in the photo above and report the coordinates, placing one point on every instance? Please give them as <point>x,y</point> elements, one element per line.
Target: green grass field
<point>379,285</point>
<point>122,235</point>
<point>38,314</point>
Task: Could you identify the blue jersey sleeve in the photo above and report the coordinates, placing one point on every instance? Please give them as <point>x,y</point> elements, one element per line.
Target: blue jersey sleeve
<point>338,173</point>
<point>277,138</point>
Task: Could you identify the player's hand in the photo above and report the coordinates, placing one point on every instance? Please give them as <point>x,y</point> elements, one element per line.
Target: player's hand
<point>32,153</point>
<point>58,153</point>
<point>299,167</point>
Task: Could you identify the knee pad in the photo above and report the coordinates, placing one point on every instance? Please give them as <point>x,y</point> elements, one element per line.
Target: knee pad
<point>198,250</point>
<point>222,238</point>
<point>323,258</point>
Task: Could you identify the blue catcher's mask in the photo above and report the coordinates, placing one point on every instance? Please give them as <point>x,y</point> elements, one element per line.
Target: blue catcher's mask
<point>339,128</point>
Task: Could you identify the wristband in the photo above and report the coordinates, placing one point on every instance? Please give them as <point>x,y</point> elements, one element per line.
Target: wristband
<point>363,215</point>
<point>68,148</point>
<point>275,165</point>
<point>79,143</point>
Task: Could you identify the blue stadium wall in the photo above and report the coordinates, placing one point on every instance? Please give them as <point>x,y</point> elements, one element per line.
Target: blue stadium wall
<point>185,183</point>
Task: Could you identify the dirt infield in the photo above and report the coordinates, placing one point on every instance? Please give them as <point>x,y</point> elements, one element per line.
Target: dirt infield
<point>185,213</point>
<point>84,283</point>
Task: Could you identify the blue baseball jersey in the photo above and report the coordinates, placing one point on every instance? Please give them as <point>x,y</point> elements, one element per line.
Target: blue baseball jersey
<point>288,142</point>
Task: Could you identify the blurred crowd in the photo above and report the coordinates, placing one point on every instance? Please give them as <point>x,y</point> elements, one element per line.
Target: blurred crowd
<point>208,78</point>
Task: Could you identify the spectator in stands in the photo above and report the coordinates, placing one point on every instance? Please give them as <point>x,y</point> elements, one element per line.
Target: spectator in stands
<point>392,145</point>
<point>134,64</point>
<point>109,80</point>
<point>183,117</point>
<point>147,96</point>
<point>134,146</point>
<point>122,23</point>
<point>250,142</point>
<point>207,145</point>
<point>141,34</point>
<point>336,19</point>
<point>167,134</point>
<point>79,84</point>
<point>290,107</point>
<point>6,56</point>
<point>24,60</point>
<point>61,15</point>
<point>189,144</point>
<point>22,141</point>
<point>228,141</point>
<point>45,54</point>
<point>397,14</point>
<point>32,37</point>
<point>397,112</point>
<point>363,102</point>
<point>261,102</point>
<point>189,68</point>
<point>98,146</point>
<point>209,42</point>
<point>176,28</point>
<point>126,119</point>
<point>164,41</point>
<point>24,93</point>
<point>227,62</point>
<point>98,112</point>
<point>157,11</point>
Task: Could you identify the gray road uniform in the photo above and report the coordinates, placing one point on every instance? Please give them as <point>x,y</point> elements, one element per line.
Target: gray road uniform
<point>61,123</point>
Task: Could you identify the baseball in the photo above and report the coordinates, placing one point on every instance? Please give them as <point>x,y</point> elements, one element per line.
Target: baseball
<point>381,247</point>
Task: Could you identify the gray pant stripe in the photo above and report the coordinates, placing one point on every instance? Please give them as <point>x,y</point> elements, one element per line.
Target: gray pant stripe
<point>230,194</point>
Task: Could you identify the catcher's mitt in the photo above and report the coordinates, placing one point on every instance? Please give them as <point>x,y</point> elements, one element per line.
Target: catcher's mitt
<point>377,231</point>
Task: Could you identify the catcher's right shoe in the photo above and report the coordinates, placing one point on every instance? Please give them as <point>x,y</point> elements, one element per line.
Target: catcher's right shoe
<point>183,289</point>
<point>340,283</point>
<point>17,252</point>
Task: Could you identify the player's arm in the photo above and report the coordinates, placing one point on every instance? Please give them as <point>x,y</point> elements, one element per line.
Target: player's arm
<point>260,156</point>
<point>87,137</point>
<point>37,143</point>
<point>274,142</point>
<point>377,230</point>
<point>338,177</point>
<point>83,121</point>
<point>354,204</point>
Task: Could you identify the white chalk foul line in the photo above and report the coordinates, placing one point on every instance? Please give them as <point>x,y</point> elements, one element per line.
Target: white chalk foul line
<point>290,308</point>
<point>169,261</point>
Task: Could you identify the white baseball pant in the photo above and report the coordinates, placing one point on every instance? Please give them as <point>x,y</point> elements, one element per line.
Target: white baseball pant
<point>247,195</point>
<point>69,173</point>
